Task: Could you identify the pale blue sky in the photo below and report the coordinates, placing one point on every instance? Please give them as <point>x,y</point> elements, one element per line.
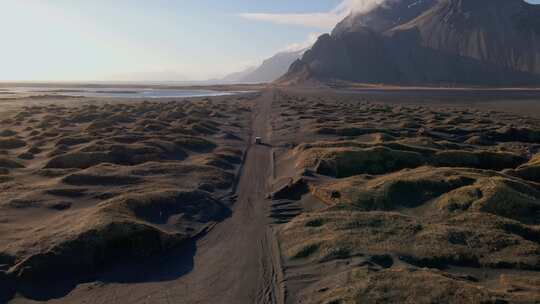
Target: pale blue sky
<point>134,40</point>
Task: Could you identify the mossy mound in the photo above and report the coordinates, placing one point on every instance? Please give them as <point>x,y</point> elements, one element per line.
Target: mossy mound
<point>93,179</point>
<point>131,154</point>
<point>404,189</point>
<point>439,191</point>
<point>5,179</point>
<point>348,131</point>
<point>72,141</point>
<point>196,144</point>
<point>183,176</point>
<point>67,192</point>
<point>171,207</point>
<point>7,133</point>
<point>512,134</point>
<point>85,250</point>
<point>126,227</point>
<point>529,171</point>
<point>480,160</point>
<point>513,199</point>
<point>9,164</point>
<point>448,216</point>
<point>141,153</point>
<point>214,160</point>
<point>405,285</point>
<point>11,143</point>
<point>80,160</point>
<point>345,162</point>
<point>408,285</point>
<point>472,239</point>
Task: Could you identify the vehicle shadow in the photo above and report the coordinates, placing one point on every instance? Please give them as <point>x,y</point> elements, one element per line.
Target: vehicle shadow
<point>265,145</point>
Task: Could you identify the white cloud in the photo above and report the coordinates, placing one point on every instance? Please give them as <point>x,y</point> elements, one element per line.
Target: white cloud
<point>314,20</point>
<point>358,6</point>
<point>308,43</point>
<point>325,21</point>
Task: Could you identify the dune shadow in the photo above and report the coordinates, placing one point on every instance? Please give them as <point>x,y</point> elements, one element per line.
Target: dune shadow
<point>7,288</point>
<point>159,268</point>
<point>45,291</point>
<point>167,267</point>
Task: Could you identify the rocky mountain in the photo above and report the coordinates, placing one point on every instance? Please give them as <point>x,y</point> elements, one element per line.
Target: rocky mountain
<point>237,76</point>
<point>475,42</point>
<point>272,68</point>
<point>384,17</point>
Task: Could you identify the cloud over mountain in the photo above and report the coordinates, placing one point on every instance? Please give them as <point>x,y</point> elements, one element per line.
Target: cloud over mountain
<point>320,20</point>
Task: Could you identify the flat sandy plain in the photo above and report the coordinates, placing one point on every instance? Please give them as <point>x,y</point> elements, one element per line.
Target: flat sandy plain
<point>355,196</point>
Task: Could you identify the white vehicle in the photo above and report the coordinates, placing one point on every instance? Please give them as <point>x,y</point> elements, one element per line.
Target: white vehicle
<point>258,140</point>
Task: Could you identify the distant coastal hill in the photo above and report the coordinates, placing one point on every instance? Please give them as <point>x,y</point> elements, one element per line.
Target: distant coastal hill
<point>270,70</point>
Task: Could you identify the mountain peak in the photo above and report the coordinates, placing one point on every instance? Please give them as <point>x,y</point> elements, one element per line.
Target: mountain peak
<point>490,42</point>
<point>385,16</point>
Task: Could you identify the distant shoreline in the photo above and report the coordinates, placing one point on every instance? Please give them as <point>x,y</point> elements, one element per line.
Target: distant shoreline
<point>216,87</point>
<point>30,91</point>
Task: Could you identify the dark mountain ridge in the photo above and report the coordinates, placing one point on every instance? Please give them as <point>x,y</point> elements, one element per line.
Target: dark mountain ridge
<point>468,42</point>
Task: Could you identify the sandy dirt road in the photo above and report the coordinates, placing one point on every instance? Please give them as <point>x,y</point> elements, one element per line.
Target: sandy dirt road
<point>235,262</point>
